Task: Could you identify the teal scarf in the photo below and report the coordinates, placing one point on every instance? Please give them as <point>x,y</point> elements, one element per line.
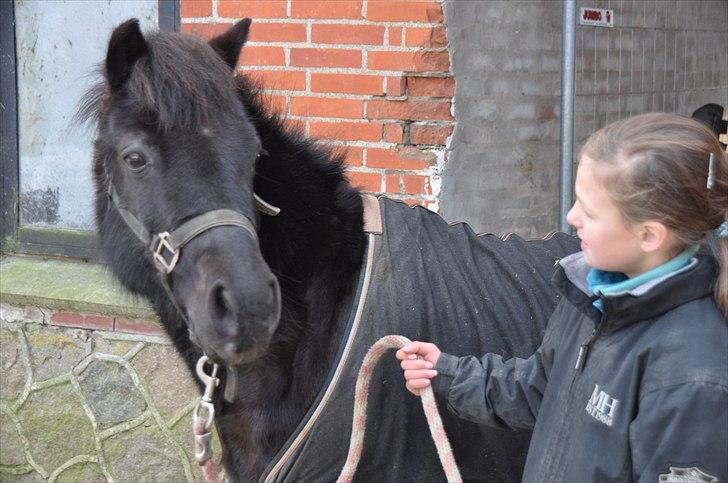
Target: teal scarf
<point>602,283</point>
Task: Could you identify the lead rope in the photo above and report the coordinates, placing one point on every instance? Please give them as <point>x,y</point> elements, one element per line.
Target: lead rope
<point>358,426</point>
<point>202,423</point>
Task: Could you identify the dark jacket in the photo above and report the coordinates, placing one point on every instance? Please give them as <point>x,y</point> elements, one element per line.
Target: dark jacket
<point>633,393</point>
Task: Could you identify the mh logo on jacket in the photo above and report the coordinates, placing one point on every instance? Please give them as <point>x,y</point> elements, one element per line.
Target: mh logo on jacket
<point>602,406</point>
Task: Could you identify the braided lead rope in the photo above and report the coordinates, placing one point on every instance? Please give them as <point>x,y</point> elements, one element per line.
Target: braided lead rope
<point>358,426</point>
<point>209,468</point>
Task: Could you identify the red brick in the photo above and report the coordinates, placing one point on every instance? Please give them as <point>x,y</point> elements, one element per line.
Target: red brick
<point>390,11</point>
<point>67,319</point>
<point>393,133</point>
<point>347,34</point>
<point>415,202</point>
<point>138,326</point>
<point>195,8</point>
<point>431,86</point>
<point>286,80</point>
<point>306,57</point>
<point>262,56</point>
<point>395,35</point>
<point>99,322</point>
<point>396,86</point>
<point>428,134</point>
<point>415,184</point>
<point>252,8</point>
<point>277,32</point>
<point>403,158</point>
<point>354,156</point>
<point>392,185</point>
<point>327,107</point>
<point>371,182</point>
<point>408,61</point>
<point>348,83</point>
<point>71,319</point>
<point>294,125</point>
<point>345,131</point>
<point>338,9</point>
<point>205,30</point>
<point>419,110</point>
<point>277,104</point>
<point>432,37</point>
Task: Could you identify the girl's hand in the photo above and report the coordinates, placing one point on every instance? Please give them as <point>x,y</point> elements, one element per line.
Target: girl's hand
<point>418,359</point>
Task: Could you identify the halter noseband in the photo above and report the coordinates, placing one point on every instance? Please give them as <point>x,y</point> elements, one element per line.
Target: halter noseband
<point>165,246</point>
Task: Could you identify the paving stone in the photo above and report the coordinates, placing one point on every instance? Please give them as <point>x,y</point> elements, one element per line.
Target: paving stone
<point>13,366</point>
<point>86,472</point>
<point>31,476</point>
<point>166,376</point>
<point>111,393</point>
<point>56,426</point>
<point>143,454</point>
<point>11,449</point>
<point>110,346</point>
<point>53,351</point>
<point>11,313</point>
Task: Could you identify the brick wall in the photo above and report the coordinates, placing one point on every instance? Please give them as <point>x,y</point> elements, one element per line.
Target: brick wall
<point>370,77</point>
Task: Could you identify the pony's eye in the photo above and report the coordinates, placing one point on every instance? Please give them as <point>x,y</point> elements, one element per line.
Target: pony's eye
<point>135,161</point>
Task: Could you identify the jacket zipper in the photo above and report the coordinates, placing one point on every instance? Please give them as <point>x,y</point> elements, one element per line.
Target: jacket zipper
<point>580,361</point>
<point>584,348</point>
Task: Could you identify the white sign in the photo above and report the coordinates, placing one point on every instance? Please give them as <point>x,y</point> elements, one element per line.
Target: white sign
<point>597,17</point>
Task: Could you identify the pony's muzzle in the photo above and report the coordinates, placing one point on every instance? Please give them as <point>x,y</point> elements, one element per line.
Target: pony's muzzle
<point>244,320</point>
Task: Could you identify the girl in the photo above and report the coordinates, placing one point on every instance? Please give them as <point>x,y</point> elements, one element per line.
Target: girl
<point>631,379</point>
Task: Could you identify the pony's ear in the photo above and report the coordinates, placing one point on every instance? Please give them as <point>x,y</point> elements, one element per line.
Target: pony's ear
<point>127,44</point>
<point>228,45</point>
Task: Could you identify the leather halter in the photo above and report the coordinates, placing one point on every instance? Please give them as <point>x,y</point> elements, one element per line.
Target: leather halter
<point>165,246</point>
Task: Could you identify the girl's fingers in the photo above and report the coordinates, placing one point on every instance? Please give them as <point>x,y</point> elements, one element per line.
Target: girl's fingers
<point>419,374</point>
<point>417,384</point>
<point>416,364</point>
<point>402,355</point>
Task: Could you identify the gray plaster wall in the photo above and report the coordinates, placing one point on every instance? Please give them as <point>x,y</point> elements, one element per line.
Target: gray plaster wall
<point>502,173</point>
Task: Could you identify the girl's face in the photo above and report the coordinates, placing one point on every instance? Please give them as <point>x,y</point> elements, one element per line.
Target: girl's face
<point>608,241</point>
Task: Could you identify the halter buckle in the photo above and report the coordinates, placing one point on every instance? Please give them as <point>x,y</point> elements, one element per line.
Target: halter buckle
<point>160,250</point>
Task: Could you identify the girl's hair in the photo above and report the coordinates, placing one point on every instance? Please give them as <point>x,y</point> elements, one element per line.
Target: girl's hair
<point>660,174</point>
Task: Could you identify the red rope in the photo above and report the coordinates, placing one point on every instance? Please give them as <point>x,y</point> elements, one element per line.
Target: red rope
<point>358,427</point>
<point>209,468</point>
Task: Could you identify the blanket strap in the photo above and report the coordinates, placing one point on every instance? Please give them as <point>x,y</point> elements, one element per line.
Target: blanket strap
<point>358,426</point>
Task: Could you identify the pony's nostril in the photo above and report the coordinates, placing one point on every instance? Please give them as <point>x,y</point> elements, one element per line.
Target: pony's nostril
<point>221,303</point>
<point>272,291</point>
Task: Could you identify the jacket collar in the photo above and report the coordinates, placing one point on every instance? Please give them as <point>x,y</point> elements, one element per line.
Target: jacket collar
<point>646,301</point>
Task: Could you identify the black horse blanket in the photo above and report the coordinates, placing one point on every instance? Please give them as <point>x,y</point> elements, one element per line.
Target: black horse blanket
<point>430,281</point>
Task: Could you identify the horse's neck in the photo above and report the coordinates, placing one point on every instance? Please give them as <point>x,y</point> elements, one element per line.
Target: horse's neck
<point>315,245</point>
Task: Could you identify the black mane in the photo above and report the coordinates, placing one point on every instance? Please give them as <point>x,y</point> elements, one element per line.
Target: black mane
<point>180,83</point>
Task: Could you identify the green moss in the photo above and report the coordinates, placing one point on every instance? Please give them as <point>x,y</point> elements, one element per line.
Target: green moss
<point>65,285</point>
<point>86,472</point>
<point>56,426</point>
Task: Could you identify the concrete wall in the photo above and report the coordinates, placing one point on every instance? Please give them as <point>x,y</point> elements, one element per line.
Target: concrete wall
<point>669,56</point>
<point>502,172</point>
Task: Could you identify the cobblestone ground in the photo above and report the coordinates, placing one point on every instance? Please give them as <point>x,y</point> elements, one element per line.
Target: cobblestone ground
<point>83,405</point>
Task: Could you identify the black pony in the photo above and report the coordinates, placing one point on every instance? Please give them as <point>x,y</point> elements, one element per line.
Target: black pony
<point>270,297</point>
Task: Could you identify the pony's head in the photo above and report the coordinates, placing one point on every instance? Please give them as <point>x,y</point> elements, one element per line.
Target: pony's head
<point>174,143</point>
